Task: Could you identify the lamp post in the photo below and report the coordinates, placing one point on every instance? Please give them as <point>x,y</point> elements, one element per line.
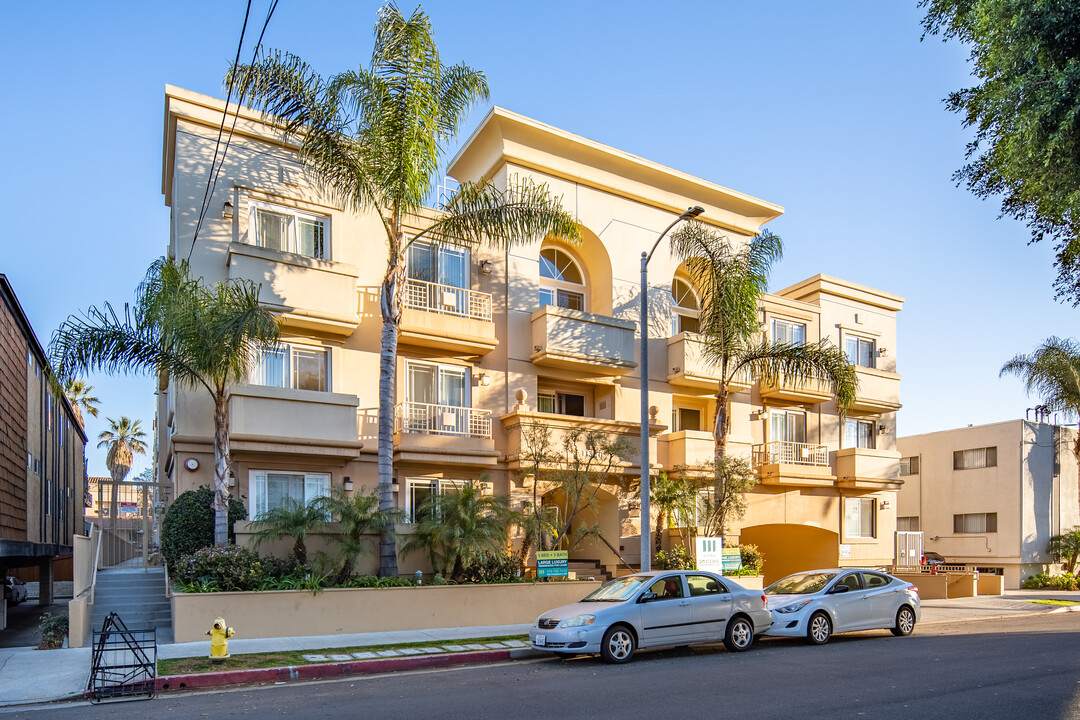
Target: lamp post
<point>646,521</point>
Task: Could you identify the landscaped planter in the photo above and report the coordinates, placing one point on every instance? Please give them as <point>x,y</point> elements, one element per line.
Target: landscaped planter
<point>284,613</point>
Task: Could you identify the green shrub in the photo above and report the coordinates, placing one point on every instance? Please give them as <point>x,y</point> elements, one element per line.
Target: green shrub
<point>752,559</point>
<point>53,629</point>
<point>492,568</point>
<point>1068,581</point>
<point>677,558</point>
<point>220,568</point>
<point>189,524</point>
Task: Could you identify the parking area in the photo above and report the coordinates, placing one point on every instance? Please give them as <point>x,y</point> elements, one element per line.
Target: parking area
<point>23,620</point>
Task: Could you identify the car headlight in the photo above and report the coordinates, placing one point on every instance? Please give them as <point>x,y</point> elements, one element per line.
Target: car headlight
<point>793,607</point>
<point>578,621</point>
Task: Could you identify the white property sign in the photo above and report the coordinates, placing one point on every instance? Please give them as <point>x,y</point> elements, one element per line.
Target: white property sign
<point>709,554</point>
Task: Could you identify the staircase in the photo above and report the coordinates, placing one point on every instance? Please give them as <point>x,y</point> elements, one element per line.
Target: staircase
<point>137,596</point>
<point>590,569</point>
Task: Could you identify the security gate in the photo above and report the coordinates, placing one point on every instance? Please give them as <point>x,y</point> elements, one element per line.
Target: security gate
<point>909,549</point>
<point>129,514</point>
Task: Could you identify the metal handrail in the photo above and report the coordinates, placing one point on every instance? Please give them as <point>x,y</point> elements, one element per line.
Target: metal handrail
<point>621,558</point>
<point>447,299</point>
<point>431,419</point>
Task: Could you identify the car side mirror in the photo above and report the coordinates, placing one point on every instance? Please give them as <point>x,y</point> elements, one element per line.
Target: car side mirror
<point>647,597</point>
<point>837,589</point>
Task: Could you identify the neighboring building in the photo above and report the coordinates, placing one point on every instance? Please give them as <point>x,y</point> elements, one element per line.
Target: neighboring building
<point>42,454</point>
<point>493,342</point>
<point>991,496</point>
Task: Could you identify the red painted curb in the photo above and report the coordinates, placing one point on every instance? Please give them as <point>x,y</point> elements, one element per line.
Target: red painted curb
<point>324,670</point>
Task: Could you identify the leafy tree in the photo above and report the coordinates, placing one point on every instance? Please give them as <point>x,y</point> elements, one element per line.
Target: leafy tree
<point>675,499</point>
<point>292,520</point>
<point>202,337</point>
<point>1065,548</point>
<point>359,517</point>
<point>460,527</point>
<point>188,525</point>
<point>1025,111</point>
<point>730,281</point>
<point>725,493</point>
<point>374,137</point>
<point>81,397</point>
<point>124,440</point>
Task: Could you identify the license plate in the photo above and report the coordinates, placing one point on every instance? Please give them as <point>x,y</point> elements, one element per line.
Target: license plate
<point>541,640</point>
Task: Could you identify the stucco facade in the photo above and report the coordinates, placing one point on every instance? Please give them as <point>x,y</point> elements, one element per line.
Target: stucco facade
<point>491,343</point>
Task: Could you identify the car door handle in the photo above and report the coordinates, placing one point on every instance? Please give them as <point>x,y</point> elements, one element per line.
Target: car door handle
<point>684,603</point>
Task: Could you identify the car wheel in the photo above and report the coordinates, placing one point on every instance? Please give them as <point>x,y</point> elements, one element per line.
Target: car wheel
<point>739,635</point>
<point>819,629</point>
<point>905,622</point>
<point>618,644</point>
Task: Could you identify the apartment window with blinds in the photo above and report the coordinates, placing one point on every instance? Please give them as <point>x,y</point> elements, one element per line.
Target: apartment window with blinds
<point>909,466</point>
<point>975,523</point>
<point>909,523</point>
<point>859,351</point>
<point>293,366</point>
<point>859,517</point>
<point>785,332</point>
<point>859,433</point>
<point>975,458</point>
<point>288,230</point>
<point>270,489</point>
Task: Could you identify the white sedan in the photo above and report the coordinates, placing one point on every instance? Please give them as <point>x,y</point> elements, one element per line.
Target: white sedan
<point>650,610</point>
<point>818,603</point>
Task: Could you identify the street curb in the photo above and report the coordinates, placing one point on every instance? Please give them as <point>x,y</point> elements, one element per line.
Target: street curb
<point>172,683</point>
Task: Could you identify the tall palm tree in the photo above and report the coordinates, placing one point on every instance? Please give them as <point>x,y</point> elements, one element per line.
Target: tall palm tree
<point>731,281</point>
<point>201,336</point>
<point>124,440</point>
<point>374,138</point>
<point>81,397</point>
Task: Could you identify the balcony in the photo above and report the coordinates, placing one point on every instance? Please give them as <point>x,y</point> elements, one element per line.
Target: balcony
<point>791,463</point>
<point>306,293</point>
<point>525,429</point>
<point>589,344</point>
<point>445,317</point>
<point>286,421</point>
<point>688,368</point>
<point>686,448</point>
<point>444,434</point>
<point>868,469</point>
<point>879,391</point>
<point>810,390</point>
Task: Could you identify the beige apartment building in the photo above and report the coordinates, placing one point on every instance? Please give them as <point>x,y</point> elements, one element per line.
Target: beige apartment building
<point>494,343</point>
<point>991,496</point>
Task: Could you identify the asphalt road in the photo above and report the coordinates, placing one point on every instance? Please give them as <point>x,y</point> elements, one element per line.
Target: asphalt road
<point>1027,667</point>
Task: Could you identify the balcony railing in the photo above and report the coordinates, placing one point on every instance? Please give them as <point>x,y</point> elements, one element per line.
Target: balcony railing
<point>447,299</point>
<point>790,453</point>
<point>428,419</point>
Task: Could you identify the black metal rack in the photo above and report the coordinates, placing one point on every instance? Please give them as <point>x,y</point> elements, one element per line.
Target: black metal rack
<point>124,662</point>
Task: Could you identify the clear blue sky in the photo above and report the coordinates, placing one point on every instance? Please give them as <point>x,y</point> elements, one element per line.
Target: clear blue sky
<point>832,110</point>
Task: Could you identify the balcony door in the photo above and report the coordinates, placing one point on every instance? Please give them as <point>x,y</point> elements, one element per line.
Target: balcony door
<point>787,426</point>
<point>437,398</point>
<point>445,272</point>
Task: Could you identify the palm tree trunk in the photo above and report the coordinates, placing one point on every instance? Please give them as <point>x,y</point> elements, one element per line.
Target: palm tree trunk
<point>722,423</point>
<point>392,297</point>
<point>221,468</point>
<point>1076,454</point>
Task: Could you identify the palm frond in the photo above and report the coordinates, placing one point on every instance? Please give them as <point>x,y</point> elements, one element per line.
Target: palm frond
<point>1051,372</point>
<point>801,364</point>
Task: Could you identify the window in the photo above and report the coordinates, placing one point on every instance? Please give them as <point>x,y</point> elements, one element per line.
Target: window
<point>270,489</point>
<point>561,281</point>
<point>974,458</point>
<point>441,264</point>
<point>683,418</point>
<point>787,426</point>
<point>436,399</point>
<point>787,332</point>
<point>293,366</point>
<point>704,585</point>
<point>859,433</point>
<point>561,403</point>
<point>909,466</point>
<point>667,588</point>
<point>421,489</point>
<point>908,523</point>
<point>975,523</point>
<point>859,351</point>
<point>288,230</point>
<point>873,580</point>
<point>859,515</point>
<point>685,309</point>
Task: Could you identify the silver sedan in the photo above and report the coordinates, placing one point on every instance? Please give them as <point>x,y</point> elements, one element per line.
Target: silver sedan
<point>651,610</point>
<point>818,603</point>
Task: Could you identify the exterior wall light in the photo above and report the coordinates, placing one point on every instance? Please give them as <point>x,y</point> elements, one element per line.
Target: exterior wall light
<point>227,210</point>
<point>485,267</point>
<point>881,429</point>
<point>882,352</point>
<point>348,484</point>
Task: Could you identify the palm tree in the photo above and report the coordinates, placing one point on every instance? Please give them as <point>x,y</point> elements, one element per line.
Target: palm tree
<point>124,440</point>
<point>359,517</point>
<point>79,394</point>
<point>1052,372</point>
<point>374,138</point>
<point>203,337</point>
<point>291,520</point>
<point>731,281</point>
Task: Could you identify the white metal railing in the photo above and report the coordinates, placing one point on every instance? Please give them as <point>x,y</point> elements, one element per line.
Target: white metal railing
<point>447,299</point>
<point>790,453</point>
<point>428,419</point>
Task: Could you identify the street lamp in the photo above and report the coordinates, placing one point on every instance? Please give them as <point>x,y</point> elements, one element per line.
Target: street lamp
<point>646,522</point>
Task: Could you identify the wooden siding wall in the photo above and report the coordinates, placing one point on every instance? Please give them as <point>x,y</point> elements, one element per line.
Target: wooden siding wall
<point>13,368</point>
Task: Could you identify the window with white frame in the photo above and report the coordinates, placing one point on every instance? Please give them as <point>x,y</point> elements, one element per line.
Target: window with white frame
<point>439,264</point>
<point>300,367</point>
<point>787,426</point>
<point>685,309</point>
<point>975,458</point>
<point>908,523</point>
<point>786,332</point>
<point>859,517</point>
<point>420,490</point>
<point>290,230</point>
<point>561,281</point>
<point>909,466</point>
<point>560,403</point>
<point>975,523</point>
<point>860,351</point>
<point>436,398</point>
<point>859,433</point>
<point>685,418</point>
<point>270,489</point>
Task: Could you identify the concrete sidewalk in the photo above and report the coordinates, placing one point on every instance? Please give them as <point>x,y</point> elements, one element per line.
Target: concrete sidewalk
<point>35,676</point>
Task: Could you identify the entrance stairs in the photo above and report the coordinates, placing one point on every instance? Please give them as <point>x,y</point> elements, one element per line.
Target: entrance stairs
<point>137,596</point>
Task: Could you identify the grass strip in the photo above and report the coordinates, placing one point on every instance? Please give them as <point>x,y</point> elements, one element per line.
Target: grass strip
<point>1054,602</point>
<point>286,658</point>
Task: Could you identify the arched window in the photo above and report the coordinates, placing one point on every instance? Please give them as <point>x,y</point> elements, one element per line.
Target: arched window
<point>685,311</point>
<point>561,281</point>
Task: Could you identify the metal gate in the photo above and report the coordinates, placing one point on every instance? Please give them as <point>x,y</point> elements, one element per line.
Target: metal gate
<point>909,549</point>
<point>124,662</point>
<point>129,514</point>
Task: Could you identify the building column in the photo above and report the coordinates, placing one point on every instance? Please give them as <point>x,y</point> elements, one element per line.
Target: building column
<point>45,582</point>
<point>3,603</point>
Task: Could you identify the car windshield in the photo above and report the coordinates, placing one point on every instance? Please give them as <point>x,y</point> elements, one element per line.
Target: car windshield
<point>617,590</point>
<point>801,584</point>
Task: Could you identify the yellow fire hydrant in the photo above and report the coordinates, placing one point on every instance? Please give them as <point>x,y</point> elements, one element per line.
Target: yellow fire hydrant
<point>219,639</point>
